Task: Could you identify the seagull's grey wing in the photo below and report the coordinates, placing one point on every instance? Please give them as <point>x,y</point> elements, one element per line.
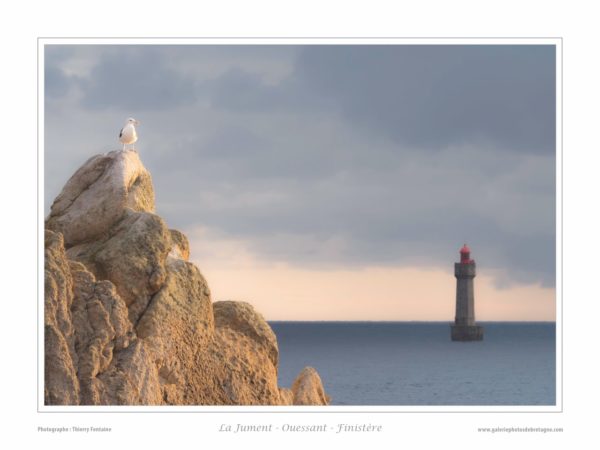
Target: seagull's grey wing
<point>121,132</point>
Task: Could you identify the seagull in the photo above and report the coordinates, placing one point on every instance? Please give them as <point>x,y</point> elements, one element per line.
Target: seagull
<point>128,135</point>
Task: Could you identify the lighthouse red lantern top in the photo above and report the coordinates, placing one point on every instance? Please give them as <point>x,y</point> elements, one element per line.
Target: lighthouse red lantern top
<point>465,255</point>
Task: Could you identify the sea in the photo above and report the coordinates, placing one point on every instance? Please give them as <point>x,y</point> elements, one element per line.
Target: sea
<point>416,363</point>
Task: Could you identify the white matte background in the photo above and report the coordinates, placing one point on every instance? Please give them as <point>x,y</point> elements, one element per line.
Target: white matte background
<point>21,26</point>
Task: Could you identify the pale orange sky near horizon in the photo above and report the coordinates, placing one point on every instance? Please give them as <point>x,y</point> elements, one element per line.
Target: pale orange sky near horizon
<point>280,291</point>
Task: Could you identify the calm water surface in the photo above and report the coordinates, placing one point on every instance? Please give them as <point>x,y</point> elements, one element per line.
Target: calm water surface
<point>416,363</point>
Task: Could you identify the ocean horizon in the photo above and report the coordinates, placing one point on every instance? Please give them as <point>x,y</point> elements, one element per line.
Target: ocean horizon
<point>414,363</point>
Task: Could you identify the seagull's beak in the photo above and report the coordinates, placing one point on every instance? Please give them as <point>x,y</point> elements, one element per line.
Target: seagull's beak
<point>137,122</point>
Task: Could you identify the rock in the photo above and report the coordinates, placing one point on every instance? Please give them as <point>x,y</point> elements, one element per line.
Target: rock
<point>130,321</point>
<point>243,318</point>
<point>176,326</point>
<point>98,194</point>
<point>100,319</point>
<point>132,255</point>
<point>286,397</point>
<point>244,358</point>
<point>180,246</point>
<point>227,360</point>
<point>181,309</point>
<point>61,386</point>
<point>132,378</point>
<point>105,214</point>
<point>87,334</point>
<point>236,372</point>
<point>307,388</point>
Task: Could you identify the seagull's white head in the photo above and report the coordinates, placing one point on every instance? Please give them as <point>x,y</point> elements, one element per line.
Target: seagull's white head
<point>132,121</point>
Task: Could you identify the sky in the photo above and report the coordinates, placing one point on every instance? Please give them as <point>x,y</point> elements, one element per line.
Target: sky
<point>332,182</point>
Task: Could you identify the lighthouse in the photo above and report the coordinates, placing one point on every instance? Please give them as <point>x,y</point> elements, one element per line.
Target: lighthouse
<point>464,328</point>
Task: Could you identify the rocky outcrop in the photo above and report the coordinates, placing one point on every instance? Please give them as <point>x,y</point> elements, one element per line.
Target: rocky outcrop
<point>307,388</point>
<point>178,326</point>
<point>99,317</point>
<point>130,321</point>
<point>61,386</point>
<point>132,255</point>
<point>241,318</point>
<point>98,194</point>
<point>180,245</point>
<point>105,214</point>
<point>246,355</point>
<point>86,325</point>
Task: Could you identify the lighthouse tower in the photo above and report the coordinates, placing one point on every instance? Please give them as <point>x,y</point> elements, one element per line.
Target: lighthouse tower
<point>464,328</point>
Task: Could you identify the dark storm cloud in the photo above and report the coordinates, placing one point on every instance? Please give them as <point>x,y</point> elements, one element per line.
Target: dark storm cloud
<point>434,96</point>
<point>339,156</point>
<point>136,77</point>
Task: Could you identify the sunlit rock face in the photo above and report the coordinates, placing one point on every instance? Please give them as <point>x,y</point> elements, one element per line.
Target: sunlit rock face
<point>130,321</point>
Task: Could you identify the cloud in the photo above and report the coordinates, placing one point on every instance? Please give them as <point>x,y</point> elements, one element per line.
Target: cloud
<point>434,96</point>
<point>57,82</point>
<point>241,90</point>
<point>136,78</point>
<point>326,157</point>
<point>379,205</point>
